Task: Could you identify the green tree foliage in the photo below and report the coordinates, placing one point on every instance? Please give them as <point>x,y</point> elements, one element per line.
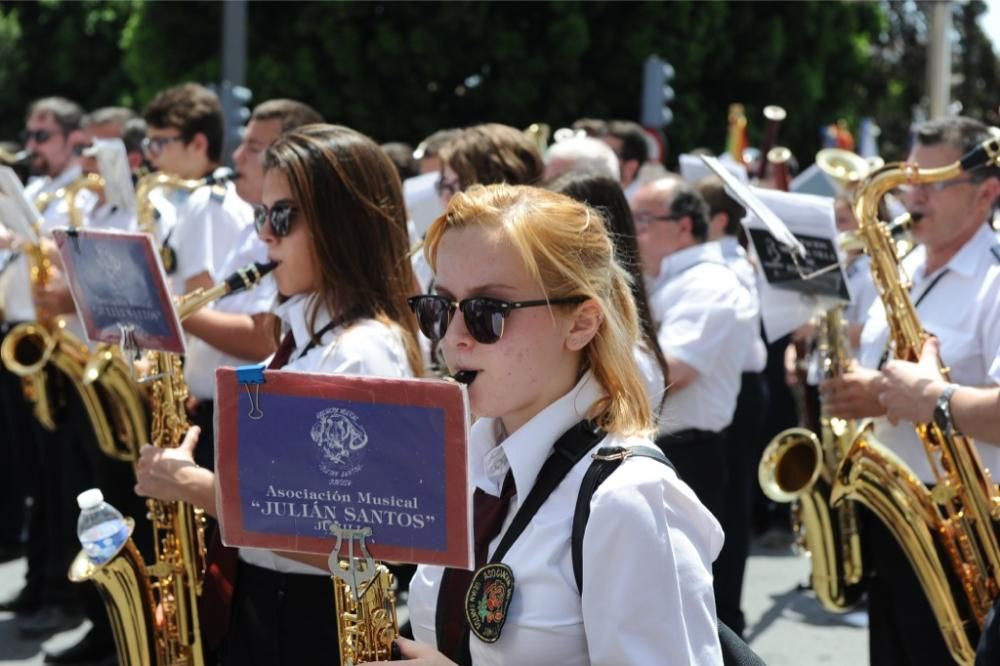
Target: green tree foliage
<point>400,70</point>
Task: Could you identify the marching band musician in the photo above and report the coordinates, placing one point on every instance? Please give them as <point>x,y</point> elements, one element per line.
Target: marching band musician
<point>332,215</point>
<point>486,154</point>
<point>531,307</point>
<point>956,292</point>
<point>744,438</point>
<point>240,329</point>
<point>184,138</point>
<point>706,322</point>
<point>68,459</point>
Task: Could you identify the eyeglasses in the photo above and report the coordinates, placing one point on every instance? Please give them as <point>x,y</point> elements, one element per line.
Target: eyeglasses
<point>450,186</point>
<point>280,216</point>
<point>40,136</point>
<point>644,221</point>
<point>154,145</point>
<point>939,186</point>
<point>484,317</point>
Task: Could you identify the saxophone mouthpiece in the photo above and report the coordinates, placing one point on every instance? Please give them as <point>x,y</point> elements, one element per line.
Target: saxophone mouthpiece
<point>248,277</point>
<point>465,376</point>
<point>986,153</point>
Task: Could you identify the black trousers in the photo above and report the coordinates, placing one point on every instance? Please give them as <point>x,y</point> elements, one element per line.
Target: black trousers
<point>281,620</point>
<point>742,443</point>
<point>700,459</point>
<point>203,416</point>
<point>18,455</point>
<point>901,625</point>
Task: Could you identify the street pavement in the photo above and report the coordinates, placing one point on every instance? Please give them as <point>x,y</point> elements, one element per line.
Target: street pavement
<point>786,625</point>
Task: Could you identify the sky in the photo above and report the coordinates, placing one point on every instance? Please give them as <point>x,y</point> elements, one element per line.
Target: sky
<point>990,22</point>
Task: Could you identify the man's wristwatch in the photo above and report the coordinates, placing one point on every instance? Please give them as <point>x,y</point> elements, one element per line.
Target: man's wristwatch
<point>942,410</point>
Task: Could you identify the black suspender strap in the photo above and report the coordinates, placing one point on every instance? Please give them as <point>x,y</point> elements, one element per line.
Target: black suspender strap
<point>568,450</point>
<point>606,461</point>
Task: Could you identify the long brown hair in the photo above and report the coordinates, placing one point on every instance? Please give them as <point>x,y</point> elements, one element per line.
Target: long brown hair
<point>348,194</point>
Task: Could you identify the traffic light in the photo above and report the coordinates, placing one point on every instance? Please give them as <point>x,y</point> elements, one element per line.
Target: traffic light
<point>656,93</point>
<point>236,112</point>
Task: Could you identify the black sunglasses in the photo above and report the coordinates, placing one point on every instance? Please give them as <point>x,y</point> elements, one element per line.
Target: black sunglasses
<point>484,317</point>
<point>40,136</point>
<point>280,216</point>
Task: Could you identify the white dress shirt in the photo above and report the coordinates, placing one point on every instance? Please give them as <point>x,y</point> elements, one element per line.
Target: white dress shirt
<point>862,288</point>
<point>647,581</point>
<point>739,261</point>
<point>963,311</point>
<point>995,369</point>
<point>652,377</point>
<point>366,347</point>
<point>206,231</point>
<point>203,358</point>
<point>15,285</point>
<point>707,319</point>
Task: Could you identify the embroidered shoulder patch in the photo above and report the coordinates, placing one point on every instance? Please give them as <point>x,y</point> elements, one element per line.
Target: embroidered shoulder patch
<point>488,601</point>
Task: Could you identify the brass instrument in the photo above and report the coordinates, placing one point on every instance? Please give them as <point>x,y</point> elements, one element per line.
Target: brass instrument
<point>778,158</point>
<point>846,168</point>
<point>135,593</point>
<point>116,409</point>
<point>948,533</point>
<point>539,134</point>
<point>364,601</point>
<point>797,466</point>
<point>774,115</point>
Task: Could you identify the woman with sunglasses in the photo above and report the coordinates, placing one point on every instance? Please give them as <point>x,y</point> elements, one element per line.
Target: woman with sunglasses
<point>533,312</point>
<point>334,220</point>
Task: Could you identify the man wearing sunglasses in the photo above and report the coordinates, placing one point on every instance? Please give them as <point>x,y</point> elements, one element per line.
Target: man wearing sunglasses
<point>707,322</point>
<point>47,463</point>
<point>955,275</point>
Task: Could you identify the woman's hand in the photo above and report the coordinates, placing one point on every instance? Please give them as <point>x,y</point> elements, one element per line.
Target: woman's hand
<point>909,391</point>
<point>161,472</point>
<point>853,395</point>
<point>419,653</point>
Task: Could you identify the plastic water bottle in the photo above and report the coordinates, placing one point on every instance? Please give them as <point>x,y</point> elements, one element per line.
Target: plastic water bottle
<point>101,528</point>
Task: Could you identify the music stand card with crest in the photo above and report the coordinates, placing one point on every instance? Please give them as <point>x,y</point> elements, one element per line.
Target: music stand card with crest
<point>119,287</point>
<point>299,454</point>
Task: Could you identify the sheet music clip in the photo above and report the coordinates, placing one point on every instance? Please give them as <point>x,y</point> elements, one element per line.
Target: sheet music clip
<point>129,347</point>
<point>248,375</point>
<point>74,235</point>
<point>351,570</point>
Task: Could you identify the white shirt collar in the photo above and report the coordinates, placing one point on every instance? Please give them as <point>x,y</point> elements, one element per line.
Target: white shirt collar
<point>295,313</point>
<point>731,248</point>
<point>528,448</point>
<point>678,262</point>
<point>967,262</point>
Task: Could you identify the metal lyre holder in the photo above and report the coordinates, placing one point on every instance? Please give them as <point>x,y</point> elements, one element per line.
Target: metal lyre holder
<point>129,347</point>
<point>365,601</point>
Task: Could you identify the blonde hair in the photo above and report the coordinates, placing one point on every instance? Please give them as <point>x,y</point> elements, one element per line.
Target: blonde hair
<point>568,252</point>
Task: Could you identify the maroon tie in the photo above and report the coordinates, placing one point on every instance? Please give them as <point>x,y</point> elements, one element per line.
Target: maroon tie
<point>488,513</point>
<point>283,353</point>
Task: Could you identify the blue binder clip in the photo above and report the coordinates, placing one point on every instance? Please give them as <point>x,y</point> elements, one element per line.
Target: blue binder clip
<point>252,374</point>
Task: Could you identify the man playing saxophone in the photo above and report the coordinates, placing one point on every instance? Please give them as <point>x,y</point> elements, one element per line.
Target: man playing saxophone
<point>955,290</point>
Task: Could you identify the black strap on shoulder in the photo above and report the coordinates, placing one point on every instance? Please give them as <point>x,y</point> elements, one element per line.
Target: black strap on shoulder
<point>735,651</point>
<point>606,460</point>
<point>568,450</point>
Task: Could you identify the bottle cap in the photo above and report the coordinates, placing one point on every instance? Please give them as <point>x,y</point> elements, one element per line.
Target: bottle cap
<point>88,499</point>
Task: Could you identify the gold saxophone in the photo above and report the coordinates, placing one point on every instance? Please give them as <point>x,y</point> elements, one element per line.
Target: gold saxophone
<point>30,347</point>
<point>948,533</point>
<point>799,466</point>
<point>364,601</point>
<point>154,609</point>
<point>117,411</point>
